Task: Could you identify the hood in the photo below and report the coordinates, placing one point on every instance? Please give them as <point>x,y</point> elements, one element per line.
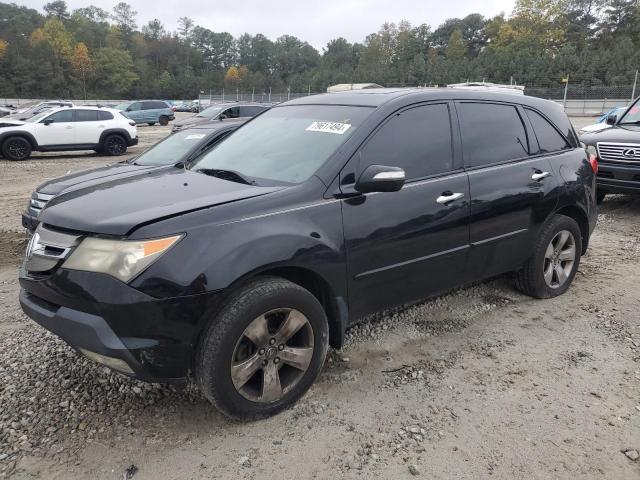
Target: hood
<point>594,128</point>
<point>616,133</point>
<point>194,120</point>
<point>118,206</point>
<point>90,177</point>
<point>10,121</point>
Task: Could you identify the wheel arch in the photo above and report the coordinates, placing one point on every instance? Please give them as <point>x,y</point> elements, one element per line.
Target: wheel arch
<point>18,133</point>
<point>114,131</point>
<point>580,217</point>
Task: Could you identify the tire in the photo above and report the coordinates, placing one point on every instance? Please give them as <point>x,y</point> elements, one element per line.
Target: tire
<point>151,124</point>
<point>225,346</point>
<point>163,120</point>
<point>600,194</point>
<point>114,145</point>
<point>549,248</point>
<point>16,148</point>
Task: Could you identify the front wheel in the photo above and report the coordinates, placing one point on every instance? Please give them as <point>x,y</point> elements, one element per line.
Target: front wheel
<point>263,350</point>
<point>114,145</point>
<point>164,121</point>
<point>16,148</point>
<point>555,259</point>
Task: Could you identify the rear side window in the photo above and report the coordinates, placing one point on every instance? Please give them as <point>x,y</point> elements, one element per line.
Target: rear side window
<point>417,140</point>
<point>549,139</point>
<point>250,111</point>
<point>86,115</point>
<point>105,115</point>
<point>491,133</point>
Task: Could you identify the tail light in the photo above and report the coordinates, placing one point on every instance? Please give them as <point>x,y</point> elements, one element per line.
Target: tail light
<point>133,124</point>
<point>593,161</point>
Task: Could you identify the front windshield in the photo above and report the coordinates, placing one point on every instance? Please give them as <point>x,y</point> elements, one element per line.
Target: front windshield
<point>632,115</point>
<point>173,149</point>
<point>285,144</point>
<point>38,117</point>
<point>210,112</point>
<point>122,106</point>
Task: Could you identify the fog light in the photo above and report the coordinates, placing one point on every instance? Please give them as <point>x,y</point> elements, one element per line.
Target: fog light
<point>114,363</point>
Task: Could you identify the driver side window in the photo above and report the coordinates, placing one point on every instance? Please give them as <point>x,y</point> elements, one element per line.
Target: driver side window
<point>61,116</point>
<point>134,107</point>
<point>233,112</point>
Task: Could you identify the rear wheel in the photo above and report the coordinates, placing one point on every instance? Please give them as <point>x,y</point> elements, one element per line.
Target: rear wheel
<point>114,145</point>
<point>164,120</point>
<point>151,124</point>
<point>263,350</point>
<point>555,259</point>
<point>16,148</point>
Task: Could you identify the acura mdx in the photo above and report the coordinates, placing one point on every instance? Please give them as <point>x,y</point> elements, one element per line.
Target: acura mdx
<point>240,271</point>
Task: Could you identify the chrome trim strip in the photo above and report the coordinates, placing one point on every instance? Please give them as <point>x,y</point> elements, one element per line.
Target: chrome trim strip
<point>409,262</point>
<point>499,237</point>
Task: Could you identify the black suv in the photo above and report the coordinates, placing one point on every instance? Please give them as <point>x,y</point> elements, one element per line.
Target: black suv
<point>618,151</point>
<point>240,271</point>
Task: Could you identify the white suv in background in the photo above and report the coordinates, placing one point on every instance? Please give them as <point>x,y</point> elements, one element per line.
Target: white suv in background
<point>104,130</point>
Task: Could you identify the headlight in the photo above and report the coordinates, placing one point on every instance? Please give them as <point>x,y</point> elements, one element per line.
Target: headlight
<point>122,259</point>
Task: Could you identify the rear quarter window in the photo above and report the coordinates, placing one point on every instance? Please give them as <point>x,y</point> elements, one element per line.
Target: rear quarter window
<point>549,139</point>
<point>106,115</point>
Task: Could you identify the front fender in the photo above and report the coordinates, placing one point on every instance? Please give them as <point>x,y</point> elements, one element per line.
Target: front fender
<point>213,257</point>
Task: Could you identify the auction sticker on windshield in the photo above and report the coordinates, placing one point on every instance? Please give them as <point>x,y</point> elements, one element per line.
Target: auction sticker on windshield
<point>195,136</point>
<point>328,127</point>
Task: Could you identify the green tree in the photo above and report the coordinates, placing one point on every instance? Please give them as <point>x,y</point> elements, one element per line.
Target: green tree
<point>114,72</point>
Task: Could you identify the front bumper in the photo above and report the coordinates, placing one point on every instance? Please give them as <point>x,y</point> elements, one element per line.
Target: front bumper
<point>29,222</point>
<point>96,313</point>
<point>617,178</point>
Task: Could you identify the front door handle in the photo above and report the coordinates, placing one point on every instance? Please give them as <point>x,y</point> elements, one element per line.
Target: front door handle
<point>539,175</point>
<point>448,197</point>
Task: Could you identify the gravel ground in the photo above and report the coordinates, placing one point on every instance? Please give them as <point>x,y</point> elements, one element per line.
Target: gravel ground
<point>482,382</point>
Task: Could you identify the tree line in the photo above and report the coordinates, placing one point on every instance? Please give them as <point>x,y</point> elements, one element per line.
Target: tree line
<point>93,53</point>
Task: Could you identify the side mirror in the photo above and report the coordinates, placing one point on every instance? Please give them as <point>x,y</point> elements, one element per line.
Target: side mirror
<point>48,121</point>
<point>612,119</point>
<point>380,178</point>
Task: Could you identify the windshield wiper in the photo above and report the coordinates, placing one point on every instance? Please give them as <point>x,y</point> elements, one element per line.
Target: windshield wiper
<point>230,175</point>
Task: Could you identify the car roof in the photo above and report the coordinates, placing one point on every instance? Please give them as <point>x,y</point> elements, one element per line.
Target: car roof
<point>376,97</point>
<point>82,107</point>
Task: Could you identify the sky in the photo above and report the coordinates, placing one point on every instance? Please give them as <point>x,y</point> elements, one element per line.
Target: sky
<point>312,21</point>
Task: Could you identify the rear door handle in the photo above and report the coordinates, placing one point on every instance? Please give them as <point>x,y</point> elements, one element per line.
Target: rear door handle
<point>539,176</point>
<point>448,197</point>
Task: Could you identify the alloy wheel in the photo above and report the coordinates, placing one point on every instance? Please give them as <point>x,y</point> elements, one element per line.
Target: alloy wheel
<point>559,259</point>
<point>115,146</point>
<point>17,148</point>
<point>272,355</point>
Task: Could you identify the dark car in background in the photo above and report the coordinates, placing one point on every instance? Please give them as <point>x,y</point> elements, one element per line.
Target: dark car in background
<point>176,150</point>
<point>221,112</point>
<point>148,111</point>
<point>618,150</point>
<point>242,269</point>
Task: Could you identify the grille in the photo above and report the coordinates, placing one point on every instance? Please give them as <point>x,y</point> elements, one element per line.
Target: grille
<point>48,248</point>
<point>38,202</point>
<point>619,152</point>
